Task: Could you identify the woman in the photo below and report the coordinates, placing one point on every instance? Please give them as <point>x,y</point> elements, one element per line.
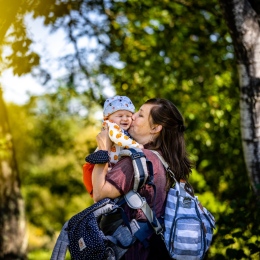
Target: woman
<point>158,125</point>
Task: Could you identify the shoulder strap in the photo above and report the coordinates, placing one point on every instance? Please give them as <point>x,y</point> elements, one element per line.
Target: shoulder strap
<point>140,166</point>
<point>165,164</point>
<point>178,185</point>
<point>143,170</point>
<point>61,245</point>
<point>135,201</point>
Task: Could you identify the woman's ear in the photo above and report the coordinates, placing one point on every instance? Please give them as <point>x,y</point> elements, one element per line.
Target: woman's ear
<point>156,129</point>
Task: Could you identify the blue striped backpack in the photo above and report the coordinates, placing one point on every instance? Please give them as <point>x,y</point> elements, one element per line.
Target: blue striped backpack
<point>188,226</point>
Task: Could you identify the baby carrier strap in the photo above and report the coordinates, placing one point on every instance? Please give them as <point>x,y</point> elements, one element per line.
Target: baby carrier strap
<point>61,245</point>
<point>140,166</point>
<point>135,201</point>
<point>143,174</point>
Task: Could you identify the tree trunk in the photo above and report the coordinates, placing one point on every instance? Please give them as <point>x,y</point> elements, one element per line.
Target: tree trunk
<point>13,240</point>
<point>242,17</point>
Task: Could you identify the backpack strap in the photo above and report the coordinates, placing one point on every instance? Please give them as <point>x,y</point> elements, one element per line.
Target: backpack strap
<point>61,245</point>
<point>143,173</point>
<point>165,164</point>
<point>179,186</point>
<point>140,166</point>
<point>135,201</point>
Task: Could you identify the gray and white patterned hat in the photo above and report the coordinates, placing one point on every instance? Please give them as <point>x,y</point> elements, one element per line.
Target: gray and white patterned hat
<point>116,103</point>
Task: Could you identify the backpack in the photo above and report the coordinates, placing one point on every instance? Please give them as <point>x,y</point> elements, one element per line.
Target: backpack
<point>82,234</point>
<point>188,225</point>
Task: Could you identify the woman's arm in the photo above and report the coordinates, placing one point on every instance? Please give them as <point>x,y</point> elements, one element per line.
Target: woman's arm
<point>102,188</point>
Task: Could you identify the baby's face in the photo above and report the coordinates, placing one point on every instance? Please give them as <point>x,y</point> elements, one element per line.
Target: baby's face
<point>121,117</point>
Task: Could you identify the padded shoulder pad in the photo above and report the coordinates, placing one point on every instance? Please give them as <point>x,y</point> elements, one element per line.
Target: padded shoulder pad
<point>139,163</point>
<point>135,152</point>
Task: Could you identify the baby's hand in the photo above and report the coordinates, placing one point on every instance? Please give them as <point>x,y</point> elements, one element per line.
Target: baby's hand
<point>140,146</point>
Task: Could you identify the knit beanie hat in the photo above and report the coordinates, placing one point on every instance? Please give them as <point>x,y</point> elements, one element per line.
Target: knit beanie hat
<point>116,103</point>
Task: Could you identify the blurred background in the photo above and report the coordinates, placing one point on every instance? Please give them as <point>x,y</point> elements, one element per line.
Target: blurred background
<point>61,59</point>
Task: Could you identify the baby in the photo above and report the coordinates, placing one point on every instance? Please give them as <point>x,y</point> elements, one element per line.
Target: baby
<point>117,113</point>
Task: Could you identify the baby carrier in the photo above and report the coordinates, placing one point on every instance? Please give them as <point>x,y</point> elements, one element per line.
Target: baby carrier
<point>85,236</point>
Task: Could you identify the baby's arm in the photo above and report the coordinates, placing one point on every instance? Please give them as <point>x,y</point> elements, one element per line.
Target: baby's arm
<point>118,137</point>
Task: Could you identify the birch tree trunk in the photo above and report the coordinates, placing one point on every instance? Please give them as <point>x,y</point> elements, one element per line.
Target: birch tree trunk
<point>13,240</point>
<point>243,20</point>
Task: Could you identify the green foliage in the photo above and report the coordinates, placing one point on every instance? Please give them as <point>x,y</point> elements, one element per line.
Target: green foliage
<point>51,140</point>
<point>163,44</point>
<point>13,34</point>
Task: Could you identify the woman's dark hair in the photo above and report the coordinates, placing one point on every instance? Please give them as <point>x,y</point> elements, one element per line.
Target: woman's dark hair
<point>171,138</point>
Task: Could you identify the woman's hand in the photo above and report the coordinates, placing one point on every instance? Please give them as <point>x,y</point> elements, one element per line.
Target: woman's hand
<point>103,140</point>
<point>101,188</point>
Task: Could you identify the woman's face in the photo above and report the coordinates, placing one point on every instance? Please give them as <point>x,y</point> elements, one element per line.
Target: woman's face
<point>140,128</point>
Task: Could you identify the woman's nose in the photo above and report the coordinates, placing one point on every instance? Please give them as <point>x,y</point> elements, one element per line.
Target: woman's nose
<point>133,116</point>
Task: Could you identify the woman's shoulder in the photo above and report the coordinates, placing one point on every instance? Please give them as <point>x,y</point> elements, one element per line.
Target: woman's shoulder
<point>152,156</point>
<point>150,152</point>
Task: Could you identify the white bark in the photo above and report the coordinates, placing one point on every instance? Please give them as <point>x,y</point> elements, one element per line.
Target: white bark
<point>247,26</point>
<point>243,23</point>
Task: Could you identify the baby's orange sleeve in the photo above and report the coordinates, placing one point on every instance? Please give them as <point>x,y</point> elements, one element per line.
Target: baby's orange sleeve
<point>87,177</point>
